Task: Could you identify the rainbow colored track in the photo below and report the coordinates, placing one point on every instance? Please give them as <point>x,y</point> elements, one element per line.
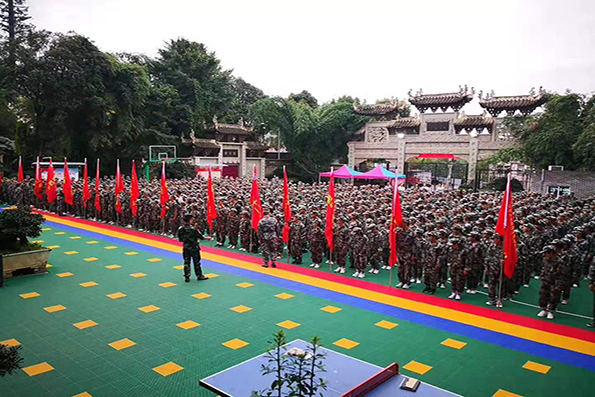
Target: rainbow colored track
<point>561,343</point>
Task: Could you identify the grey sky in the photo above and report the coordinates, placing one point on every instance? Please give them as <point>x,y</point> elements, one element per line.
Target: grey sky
<point>371,49</point>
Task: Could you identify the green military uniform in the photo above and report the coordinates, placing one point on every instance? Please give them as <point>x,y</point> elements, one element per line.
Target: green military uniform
<point>189,236</point>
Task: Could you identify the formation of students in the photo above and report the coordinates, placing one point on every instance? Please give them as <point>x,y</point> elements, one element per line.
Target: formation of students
<point>446,235</point>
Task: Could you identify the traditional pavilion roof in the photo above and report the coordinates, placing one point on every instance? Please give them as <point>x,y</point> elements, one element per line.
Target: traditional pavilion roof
<point>453,100</point>
<point>477,121</point>
<point>255,145</point>
<point>383,109</point>
<point>525,104</point>
<point>205,143</point>
<point>231,129</point>
<point>404,122</point>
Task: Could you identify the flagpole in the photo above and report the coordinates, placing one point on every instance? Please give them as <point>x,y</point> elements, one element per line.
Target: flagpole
<point>506,200</point>
<point>390,277</point>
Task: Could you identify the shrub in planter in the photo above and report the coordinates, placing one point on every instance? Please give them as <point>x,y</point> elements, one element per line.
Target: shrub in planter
<point>10,359</point>
<point>16,227</point>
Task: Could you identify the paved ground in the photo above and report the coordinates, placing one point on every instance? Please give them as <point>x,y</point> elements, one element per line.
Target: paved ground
<point>83,360</point>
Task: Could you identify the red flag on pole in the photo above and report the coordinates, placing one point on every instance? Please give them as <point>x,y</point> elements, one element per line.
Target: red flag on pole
<point>67,185</point>
<point>20,177</point>
<point>330,212</point>
<point>38,187</point>
<point>255,202</point>
<point>119,187</point>
<point>86,192</point>
<point>97,195</point>
<point>133,190</point>
<point>286,207</point>
<point>51,191</point>
<point>164,198</point>
<point>505,227</point>
<point>211,208</point>
<point>395,220</point>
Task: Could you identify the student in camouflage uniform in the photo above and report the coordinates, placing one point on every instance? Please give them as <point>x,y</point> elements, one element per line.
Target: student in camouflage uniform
<point>418,252</point>
<point>267,237</point>
<point>297,237</point>
<point>475,264</point>
<point>494,261</point>
<point>443,258</point>
<point>431,257</point>
<point>591,277</point>
<point>221,224</point>
<point>376,246</point>
<point>341,239</point>
<point>457,262</point>
<point>405,262</point>
<point>360,246</point>
<point>549,293</point>
<point>233,228</point>
<point>317,242</point>
<point>189,236</point>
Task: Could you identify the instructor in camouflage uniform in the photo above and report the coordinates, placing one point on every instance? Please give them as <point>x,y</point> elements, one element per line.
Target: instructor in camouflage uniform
<point>268,236</point>
<point>189,236</point>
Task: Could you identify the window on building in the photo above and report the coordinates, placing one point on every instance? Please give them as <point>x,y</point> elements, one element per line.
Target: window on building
<point>438,126</point>
<point>559,190</point>
<point>230,153</point>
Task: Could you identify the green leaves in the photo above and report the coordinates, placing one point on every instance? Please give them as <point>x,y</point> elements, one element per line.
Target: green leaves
<point>10,359</point>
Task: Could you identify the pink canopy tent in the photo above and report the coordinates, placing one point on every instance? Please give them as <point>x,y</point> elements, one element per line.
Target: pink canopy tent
<point>343,172</point>
<point>379,173</point>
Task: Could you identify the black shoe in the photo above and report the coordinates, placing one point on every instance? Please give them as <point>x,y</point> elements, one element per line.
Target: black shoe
<point>591,325</point>
<point>298,262</point>
<point>274,265</point>
<point>187,279</point>
<point>202,277</point>
<point>265,265</point>
<point>294,262</point>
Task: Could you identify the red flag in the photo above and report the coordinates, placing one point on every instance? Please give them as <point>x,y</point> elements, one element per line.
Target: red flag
<point>164,198</point>
<point>86,192</point>
<point>255,202</point>
<point>133,190</point>
<point>20,177</point>
<point>505,227</point>
<point>51,191</point>
<point>330,212</point>
<point>67,185</point>
<point>97,195</point>
<point>0,179</point>
<point>395,220</point>
<point>119,187</point>
<point>211,208</point>
<point>38,187</point>
<point>286,207</point>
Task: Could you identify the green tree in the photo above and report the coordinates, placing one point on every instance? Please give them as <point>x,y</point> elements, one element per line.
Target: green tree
<point>584,148</point>
<point>304,97</point>
<point>243,96</point>
<point>14,15</point>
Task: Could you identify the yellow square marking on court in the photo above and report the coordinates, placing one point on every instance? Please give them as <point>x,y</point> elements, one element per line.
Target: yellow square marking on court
<point>60,233</point>
<point>85,324</point>
<point>138,275</point>
<point>53,309</point>
<point>201,295</point>
<point>416,367</point>
<point>284,296</point>
<point>46,229</point>
<point>167,285</point>
<point>330,309</point>
<point>168,369</point>
<point>75,238</point>
<point>241,309</point>
<point>180,267</point>
<point>67,274</point>
<point>149,309</point>
<point>235,344</point>
<point>38,369</point>
<point>536,367</point>
<point>386,324</point>
<point>288,324</point>
<point>116,295</point>
<point>71,253</point>
<point>130,253</point>
<point>91,259</point>
<point>244,285</point>
<point>83,394</point>
<point>113,267</point>
<point>188,324</point>
<point>92,242</point>
<point>504,393</point>
<point>211,275</point>
<point>154,260</point>
<point>455,344</point>
<point>346,343</point>
<point>53,247</point>
<point>122,344</point>
<point>37,241</point>
<point>110,247</point>
<point>10,342</point>
<point>29,295</point>
<point>88,284</point>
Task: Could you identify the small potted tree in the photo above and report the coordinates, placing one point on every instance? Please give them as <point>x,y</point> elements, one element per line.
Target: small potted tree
<point>17,254</point>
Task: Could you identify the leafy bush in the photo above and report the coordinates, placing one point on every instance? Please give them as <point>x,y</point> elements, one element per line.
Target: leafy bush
<point>16,226</point>
<point>10,359</point>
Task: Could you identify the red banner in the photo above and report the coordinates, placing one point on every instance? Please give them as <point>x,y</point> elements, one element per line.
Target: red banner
<point>286,207</point>
<point>255,202</point>
<point>164,197</point>
<point>86,192</point>
<point>211,208</point>
<point>20,177</point>
<point>51,190</point>
<point>133,190</point>
<point>395,220</point>
<point>119,187</point>
<point>505,227</point>
<point>67,185</point>
<point>97,194</point>
<point>38,187</point>
<point>330,212</point>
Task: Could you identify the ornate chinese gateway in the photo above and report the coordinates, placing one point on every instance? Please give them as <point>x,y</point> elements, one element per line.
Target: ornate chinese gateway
<point>469,137</point>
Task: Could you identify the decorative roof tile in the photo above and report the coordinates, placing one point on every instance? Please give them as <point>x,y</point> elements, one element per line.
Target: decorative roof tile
<point>379,109</point>
<point>404,122</point>
<point>526,104</point>
<point>453,100</point>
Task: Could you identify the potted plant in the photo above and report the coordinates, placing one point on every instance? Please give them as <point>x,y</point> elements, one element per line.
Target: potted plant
<point>17,254</point>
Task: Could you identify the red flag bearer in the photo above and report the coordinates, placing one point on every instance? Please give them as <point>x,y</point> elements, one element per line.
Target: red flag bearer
<point>86,192</point>
<point>67,185</point>
<point>211,208</point>
<point>38,188</point>
<point>51,191</point>
<point>97,193</point>
<point>133,191</point>
<point>164,197</point>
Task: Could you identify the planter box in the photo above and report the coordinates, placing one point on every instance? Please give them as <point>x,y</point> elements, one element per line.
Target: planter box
<point>36,261</point>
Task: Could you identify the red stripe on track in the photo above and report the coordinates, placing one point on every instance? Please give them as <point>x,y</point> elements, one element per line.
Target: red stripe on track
<point>511,318</point>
